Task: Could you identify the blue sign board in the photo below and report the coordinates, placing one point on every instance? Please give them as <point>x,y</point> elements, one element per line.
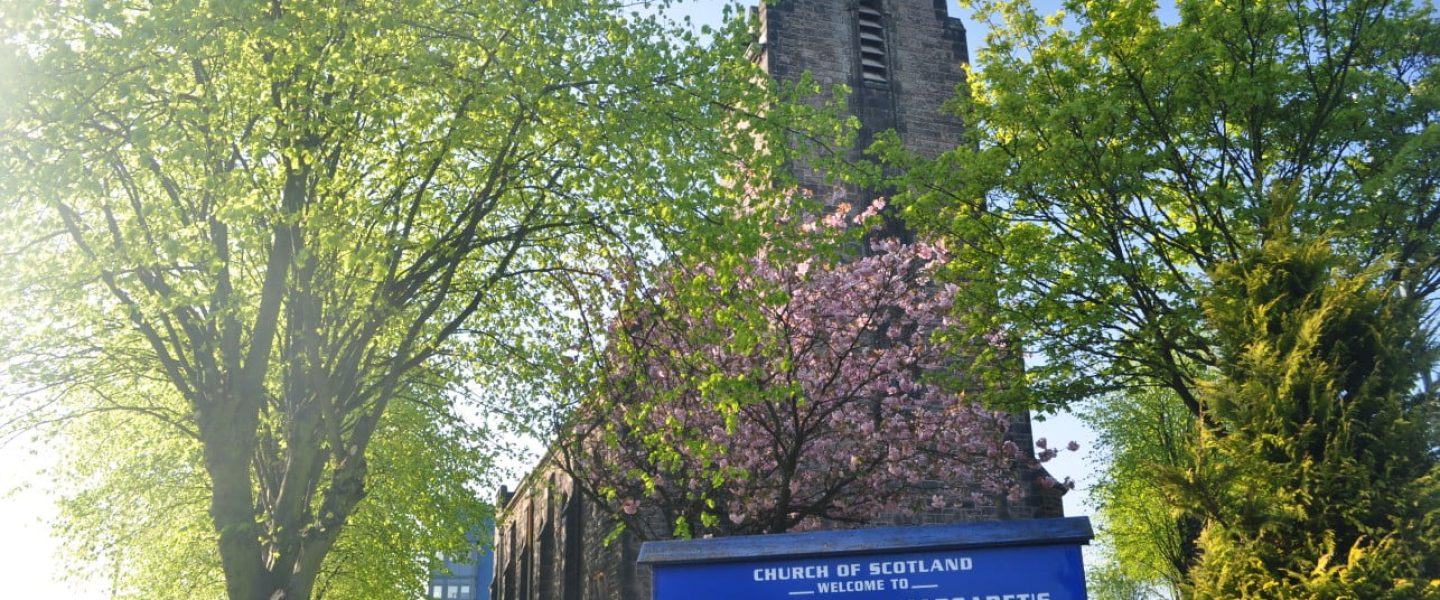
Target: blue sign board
<point>1016,560</point>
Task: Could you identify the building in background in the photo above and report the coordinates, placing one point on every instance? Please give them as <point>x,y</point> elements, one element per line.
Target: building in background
<point>902,60</point>
<point>465,577</point>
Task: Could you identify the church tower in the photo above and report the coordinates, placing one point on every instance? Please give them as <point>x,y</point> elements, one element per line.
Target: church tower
<point>901,59</point>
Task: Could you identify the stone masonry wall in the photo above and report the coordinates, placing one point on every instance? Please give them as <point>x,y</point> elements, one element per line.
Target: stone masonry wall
<point>926,53</point>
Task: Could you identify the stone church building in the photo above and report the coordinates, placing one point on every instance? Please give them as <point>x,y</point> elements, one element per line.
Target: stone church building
<point>902,59</point>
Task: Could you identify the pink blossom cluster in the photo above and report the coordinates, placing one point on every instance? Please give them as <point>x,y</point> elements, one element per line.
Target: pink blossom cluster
<point>809,405</point>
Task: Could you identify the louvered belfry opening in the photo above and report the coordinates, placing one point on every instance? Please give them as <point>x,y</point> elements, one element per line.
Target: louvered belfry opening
<point>873,65</point>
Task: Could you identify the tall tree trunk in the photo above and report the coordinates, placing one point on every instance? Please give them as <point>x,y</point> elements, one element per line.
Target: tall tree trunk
<point>228,441</point>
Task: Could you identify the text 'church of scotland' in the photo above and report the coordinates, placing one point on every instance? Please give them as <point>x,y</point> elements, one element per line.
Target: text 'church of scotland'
<point>902,59</point>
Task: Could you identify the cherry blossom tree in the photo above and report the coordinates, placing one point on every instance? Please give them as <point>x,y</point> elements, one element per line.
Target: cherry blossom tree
<point>777,394</point>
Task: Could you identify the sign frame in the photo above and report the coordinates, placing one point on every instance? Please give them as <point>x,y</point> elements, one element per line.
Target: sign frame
<point>945,562</point>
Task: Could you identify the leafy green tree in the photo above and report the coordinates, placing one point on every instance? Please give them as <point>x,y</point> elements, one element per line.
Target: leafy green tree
<point>1116,160</point>
<point>1142,436</point>
<point>283,218</point>
<point>138,515</point>
<point>1116,163</point>
<point>1108,581</point>
<point>1319,480</point>
<point>431,469</point>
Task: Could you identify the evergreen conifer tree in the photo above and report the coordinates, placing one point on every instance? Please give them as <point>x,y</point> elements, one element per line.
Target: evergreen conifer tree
<point>1314,471</point>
